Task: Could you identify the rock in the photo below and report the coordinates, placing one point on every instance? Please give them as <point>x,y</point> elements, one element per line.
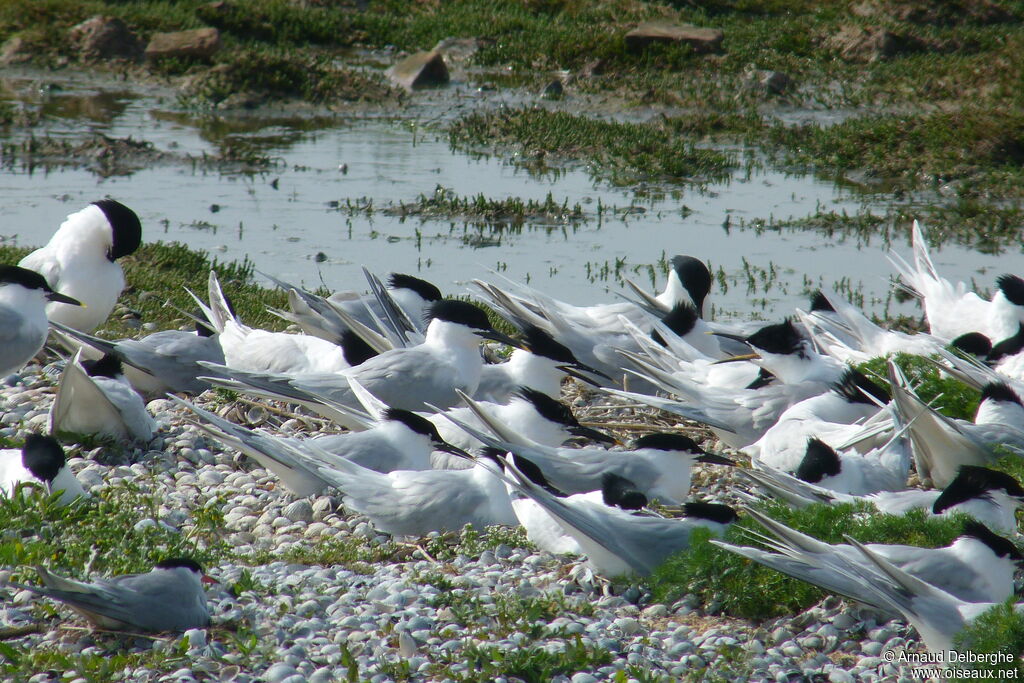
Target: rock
<point>553,90</point>
<point>420,70</point>
<point>15,50</point>
<point>857,44</point>
<point>299,511</point>
<point>102,37</point>
<point>769,82</point>
<point>702,40</point>
<point>200,43</point>
<point>595,67</point>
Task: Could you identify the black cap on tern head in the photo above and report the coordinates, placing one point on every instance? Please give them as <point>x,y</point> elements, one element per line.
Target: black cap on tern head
<point>461,312</point>
<point>820,302</point>
<point>999,545</point>
<point>617,491</point>
<point>782,338</point>
<point>107,366</point>
<point>856,387</point>
<point>125,226</point>
<point>30,279</point>
<point>715,512</point>
<point>1000,391</point>
<point>175,562</point>
<point>664,441</point>
<point>1012,288</point>
<point>696,278</point>
<point>819,461</point>
<point>42,456</point>
<point>973,481</point>
<point>539,342</point>
<point>532,472</point>
<point>355,349</point>
<point>549,408</point>
<point>426,290</point>
<point>974,343</point>
<point>1010,346</point>
<point>422,425</point>
<point>559,413</point>
<point>680,320</point>
<point>416,423</point>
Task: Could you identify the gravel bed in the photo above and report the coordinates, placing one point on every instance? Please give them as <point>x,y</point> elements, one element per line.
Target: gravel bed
<point>419,618</point>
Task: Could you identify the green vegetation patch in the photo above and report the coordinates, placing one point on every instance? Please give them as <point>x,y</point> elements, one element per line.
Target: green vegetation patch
<point>949,396</point>
<point>445,204</point>
<point>101,532</point>
<point>278,75</point>
<point>962,147</point>
<point>718,577</point>
<point>619,152</point>
<point>999,630</point>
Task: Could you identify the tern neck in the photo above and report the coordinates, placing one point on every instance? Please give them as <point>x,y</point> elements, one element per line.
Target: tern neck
<point>675,293</point>
<point>65,481</point>
<point>537,372</point>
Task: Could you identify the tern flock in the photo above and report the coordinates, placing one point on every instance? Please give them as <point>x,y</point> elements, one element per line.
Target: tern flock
<point>431,436</point>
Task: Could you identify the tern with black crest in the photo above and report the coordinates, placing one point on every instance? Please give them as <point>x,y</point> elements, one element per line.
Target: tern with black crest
<point>24,297</point>
<point>80,261</point>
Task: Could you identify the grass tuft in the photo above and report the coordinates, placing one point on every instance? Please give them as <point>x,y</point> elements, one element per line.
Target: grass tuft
<point>619,152</point>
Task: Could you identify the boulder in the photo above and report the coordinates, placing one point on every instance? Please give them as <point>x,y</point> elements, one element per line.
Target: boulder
<point>702,40</point>
<point>104,38</point>
<point>423,69</point>
<point>200,43</point>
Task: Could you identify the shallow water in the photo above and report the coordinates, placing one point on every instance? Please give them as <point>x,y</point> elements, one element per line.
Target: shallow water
<point>287,223</point>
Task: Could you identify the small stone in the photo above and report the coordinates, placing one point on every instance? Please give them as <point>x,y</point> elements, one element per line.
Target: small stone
<point>583,677</point>
<point>840,676</point>
<point>406,644</point>
<point>655,611</point>
<point>278,673</point>
<point>702,40</point>
<point>420,70</point>
<point>553,90</point>
<point>101,37</point>
<point>196,637</point>
<point>844,621</point>
<point>299,511</point>
<point>781,635</point>
<point>627,625</point>
<point>200,43</point>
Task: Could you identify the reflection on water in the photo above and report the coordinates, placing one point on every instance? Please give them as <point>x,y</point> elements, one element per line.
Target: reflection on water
<point>295,219</point>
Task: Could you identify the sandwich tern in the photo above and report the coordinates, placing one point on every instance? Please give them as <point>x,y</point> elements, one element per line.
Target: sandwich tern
<point>79,261</point>
<point>41,460</point>
<point>168,598</point>
<point>93,397</point>
<point>23,309</point>
<point>429,373</point>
